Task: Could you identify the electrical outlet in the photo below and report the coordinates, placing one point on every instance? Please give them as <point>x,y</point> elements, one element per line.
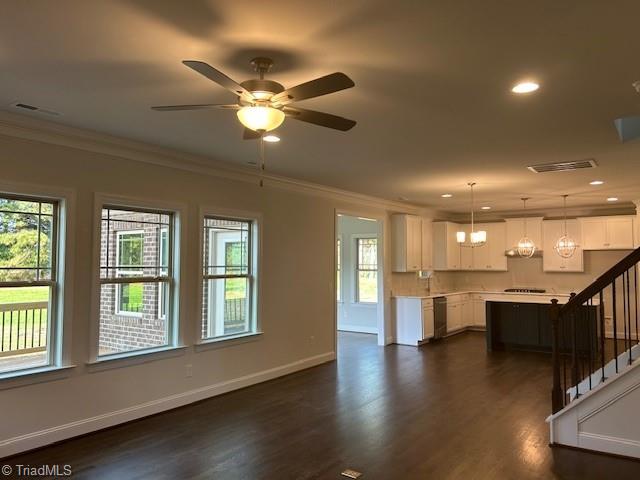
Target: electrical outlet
<point>188,370</point>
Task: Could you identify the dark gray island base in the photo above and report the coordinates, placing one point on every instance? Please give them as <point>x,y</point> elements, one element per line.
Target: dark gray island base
<point>527,326</point>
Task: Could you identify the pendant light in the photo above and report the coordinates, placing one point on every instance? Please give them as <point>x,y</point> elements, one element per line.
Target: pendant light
<point>565,246</point>
<point>476,239</point>
<point>526,248</point>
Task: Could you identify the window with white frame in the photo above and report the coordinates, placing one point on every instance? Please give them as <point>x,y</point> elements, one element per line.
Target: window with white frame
<point>229,280</point>
<point>163,255</point>
<point>136,279</point>
<point>28,282</point>
<point>366,270</point>
<point>339,269</point>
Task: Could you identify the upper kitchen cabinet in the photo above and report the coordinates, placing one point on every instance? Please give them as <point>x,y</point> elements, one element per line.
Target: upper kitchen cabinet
<point>446,251</point>
<point>427,244</point>
<point>406,236</point>
<point>607,233</point>
<point>516,230</point>
<point>552,230</point>
<point>497,243</point>
<point>489,256</point>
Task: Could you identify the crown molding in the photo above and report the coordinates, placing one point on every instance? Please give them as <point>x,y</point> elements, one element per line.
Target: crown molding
<point>36,130</point>
<point>623,208</point>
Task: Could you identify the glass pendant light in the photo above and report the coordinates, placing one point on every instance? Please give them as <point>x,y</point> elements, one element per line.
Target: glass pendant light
<point>565,246</point>
<point>526,248</point>
<point>476,239</point>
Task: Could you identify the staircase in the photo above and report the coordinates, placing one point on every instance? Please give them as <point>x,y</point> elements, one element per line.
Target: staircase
<point>596,364</point>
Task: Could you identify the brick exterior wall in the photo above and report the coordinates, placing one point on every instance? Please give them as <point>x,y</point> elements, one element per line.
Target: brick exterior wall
<point>124,332</point>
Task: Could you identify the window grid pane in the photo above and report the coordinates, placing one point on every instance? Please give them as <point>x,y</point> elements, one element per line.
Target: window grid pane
<point>28,242</point>
<point>227,277</point>
<point>136,278</point>
<point>367,270</point>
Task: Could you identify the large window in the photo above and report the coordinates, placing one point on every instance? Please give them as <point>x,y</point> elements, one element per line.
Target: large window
<point>28,277</point>
<point>136,276</point>
<point>367,270</point>
<point>339,270</point>
<point>228,277</point>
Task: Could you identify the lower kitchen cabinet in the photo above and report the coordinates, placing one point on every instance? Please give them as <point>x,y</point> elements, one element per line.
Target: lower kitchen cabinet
<point>414,320</point>
<point>454,317</point>
<point>479,311</point>
<point>527,326</point>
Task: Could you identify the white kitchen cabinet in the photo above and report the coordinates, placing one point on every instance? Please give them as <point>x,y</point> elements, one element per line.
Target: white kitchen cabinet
<point>446,251</point>
<point>454,316</point>
<point>427,244</point>
<point>428,327</point>
<point>607,233</point>
<point>406,231</point>
<point>489,256</point>
<point>414,320</point>
<point>479,311</point>
<point>515,230</point>
<point>496,240</point>
<point>466,312</point>
<point>552,230</point>
<point>466,253</point>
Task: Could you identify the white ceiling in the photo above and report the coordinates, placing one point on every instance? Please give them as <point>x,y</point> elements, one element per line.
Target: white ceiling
<point>432,95</point>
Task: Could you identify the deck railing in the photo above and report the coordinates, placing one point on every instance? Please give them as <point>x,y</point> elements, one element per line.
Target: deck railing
<point>23,327</point>
<point>235,314</point>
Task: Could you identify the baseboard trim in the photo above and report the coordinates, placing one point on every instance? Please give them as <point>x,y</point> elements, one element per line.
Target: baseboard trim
<point>357,329</point>
<point>609,444</point>
<point>41,438</point>
<point>594,452</point>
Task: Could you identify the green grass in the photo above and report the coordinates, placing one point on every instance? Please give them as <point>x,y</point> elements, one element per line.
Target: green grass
<point>24,294</point>
<point>18,326</point>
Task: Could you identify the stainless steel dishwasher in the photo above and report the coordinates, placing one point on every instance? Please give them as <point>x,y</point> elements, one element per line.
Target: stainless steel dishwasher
<point>439,317</point>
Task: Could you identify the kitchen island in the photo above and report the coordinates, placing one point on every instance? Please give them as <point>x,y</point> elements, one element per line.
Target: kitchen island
<point>527,326</point>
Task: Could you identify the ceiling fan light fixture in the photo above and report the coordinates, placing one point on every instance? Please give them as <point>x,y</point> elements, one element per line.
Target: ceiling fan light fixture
<point>260,118</point>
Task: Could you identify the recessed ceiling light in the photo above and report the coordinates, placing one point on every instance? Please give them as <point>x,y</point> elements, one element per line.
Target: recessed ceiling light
<point>271,138</point>
<point>596,182</point>
<point>446,195</point>
<point>486,208</point>
<point>612,199</point>
<point>525,87</point>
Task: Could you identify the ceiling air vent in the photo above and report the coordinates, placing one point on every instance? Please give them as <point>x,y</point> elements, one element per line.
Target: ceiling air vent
<point>562,166</point>
<point>33,108</point>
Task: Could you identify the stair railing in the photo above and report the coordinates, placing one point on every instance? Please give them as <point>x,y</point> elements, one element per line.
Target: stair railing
<point>595,334</point>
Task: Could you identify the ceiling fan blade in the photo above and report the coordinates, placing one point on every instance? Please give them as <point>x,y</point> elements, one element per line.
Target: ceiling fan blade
<point>218,77</point>
<point>171,108</point>
<point>320,118</point>
<point>628,128</point>
<point>249,134</point>
<point>315,88</point>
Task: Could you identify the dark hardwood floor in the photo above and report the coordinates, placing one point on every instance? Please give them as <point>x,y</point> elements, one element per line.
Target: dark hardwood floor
<point>447,410</point>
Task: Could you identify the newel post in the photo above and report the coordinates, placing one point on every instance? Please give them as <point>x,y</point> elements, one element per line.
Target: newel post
<point>557,397</point>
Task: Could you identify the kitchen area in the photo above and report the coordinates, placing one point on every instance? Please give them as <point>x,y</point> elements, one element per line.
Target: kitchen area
<point>443,286</point>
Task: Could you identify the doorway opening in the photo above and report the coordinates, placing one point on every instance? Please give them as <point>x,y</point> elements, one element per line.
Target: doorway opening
<point>359,276</point>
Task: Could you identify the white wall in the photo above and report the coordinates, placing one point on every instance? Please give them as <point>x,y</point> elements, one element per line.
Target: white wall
<point>354,316</point>
<point>298,291</point>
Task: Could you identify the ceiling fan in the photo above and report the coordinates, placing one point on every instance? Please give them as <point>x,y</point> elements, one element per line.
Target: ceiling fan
<point>262,105</point>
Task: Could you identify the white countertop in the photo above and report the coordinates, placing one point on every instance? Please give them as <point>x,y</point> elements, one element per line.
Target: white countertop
<point>559,296</point>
